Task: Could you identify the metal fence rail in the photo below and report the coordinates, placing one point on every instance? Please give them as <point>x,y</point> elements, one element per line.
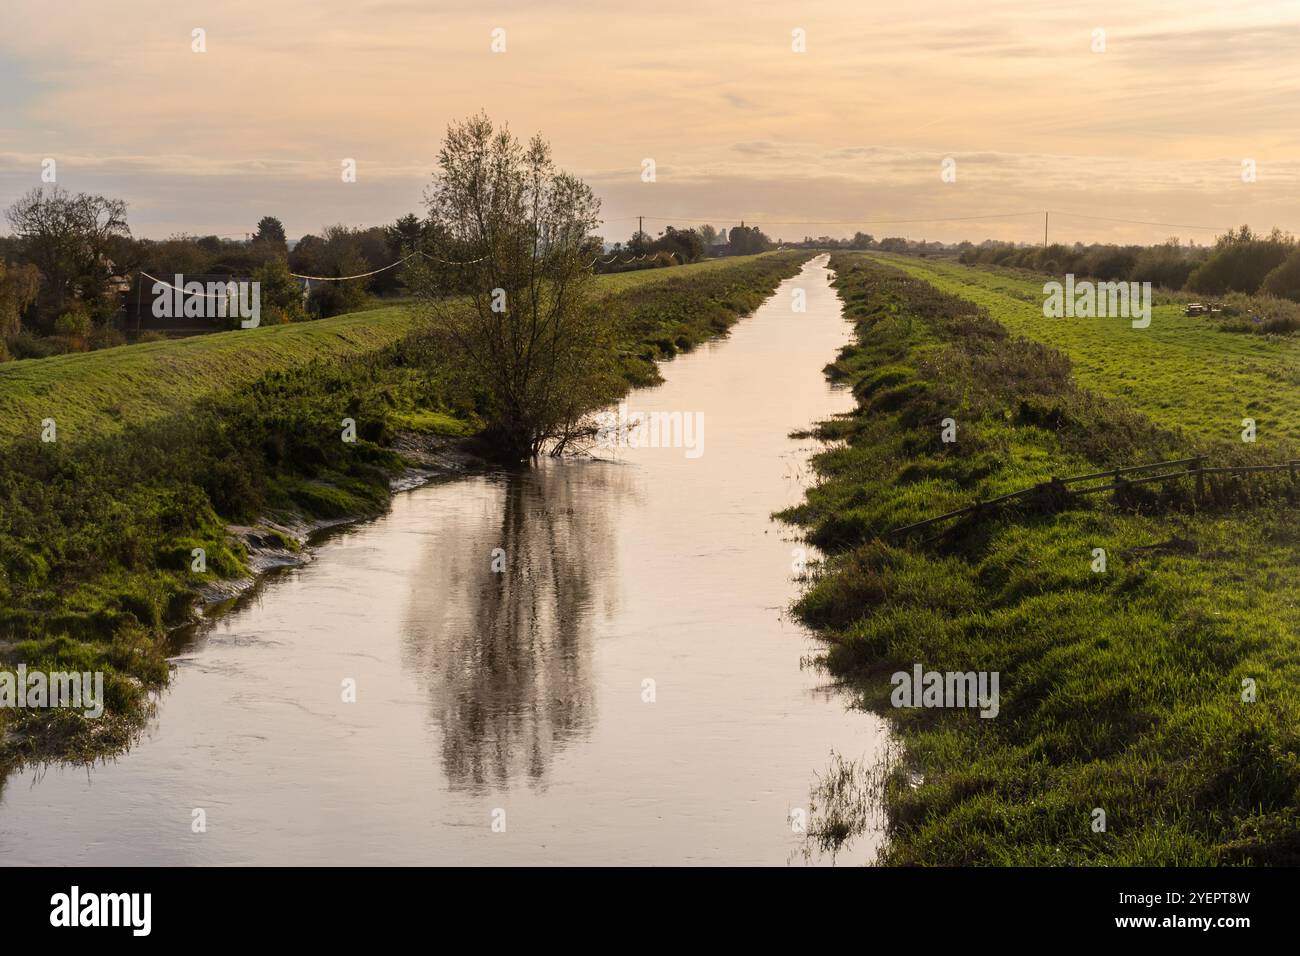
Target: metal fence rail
<point>1060,487</point>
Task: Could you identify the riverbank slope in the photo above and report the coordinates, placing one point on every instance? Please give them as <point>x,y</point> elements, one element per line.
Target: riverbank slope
<point>1146,641</point>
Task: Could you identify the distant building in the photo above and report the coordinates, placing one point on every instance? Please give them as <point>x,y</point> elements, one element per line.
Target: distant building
<point>308,286</point>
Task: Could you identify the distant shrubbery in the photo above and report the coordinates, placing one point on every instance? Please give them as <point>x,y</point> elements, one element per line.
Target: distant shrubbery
<point>1167,265</point>
<point>1262,314</point>
<point>1254,280</point>
<point>1284,280</point>
<point>1240,261</point>
<point>676,247</point>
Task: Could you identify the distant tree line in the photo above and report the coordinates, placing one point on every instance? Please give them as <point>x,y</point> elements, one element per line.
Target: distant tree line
<point>676,246</point>
<point>72,277</point>
<point>1240,261</point>
<point>863,241</point>
<point>71,272</point>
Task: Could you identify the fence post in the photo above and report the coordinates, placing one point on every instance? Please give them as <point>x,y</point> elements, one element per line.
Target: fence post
<point>1200,477</point>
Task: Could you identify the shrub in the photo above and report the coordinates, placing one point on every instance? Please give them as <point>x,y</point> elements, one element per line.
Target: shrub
<point>1166,265</point>
<point>282,299</point>
<point>1111,262</point>
<point>1262,314</point>
<point>1240,262</point>
<point>105,337</point>
<point>25,345</point>
<point>1284,281</point>
<point>74,324</point>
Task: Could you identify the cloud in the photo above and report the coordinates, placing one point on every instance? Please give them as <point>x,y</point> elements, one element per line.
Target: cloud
<point>1010,89</point>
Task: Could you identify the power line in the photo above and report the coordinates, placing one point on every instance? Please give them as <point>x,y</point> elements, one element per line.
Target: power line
<point>359,275</point>
<point>1142,222</point>
<point>227,295</point>
<point>610,260</point>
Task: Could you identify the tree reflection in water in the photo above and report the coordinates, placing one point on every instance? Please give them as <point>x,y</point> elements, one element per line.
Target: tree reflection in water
<point>506,656</point>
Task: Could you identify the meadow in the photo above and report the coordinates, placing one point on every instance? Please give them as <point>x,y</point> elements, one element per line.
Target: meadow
<point>1183,372</point>
<point>1146,641</point>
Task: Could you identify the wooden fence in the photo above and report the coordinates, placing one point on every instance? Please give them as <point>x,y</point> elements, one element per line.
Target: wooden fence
<point>1058,489</point>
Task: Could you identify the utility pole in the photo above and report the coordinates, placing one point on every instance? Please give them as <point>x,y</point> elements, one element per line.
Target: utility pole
<point>1045,215</point>
<point>640,224</point>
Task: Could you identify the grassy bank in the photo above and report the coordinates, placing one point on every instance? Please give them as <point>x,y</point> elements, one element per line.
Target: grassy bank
<point>1121,689</point>
<point>99,393</point>
<point>1183,371</point>
<point>160,446</point>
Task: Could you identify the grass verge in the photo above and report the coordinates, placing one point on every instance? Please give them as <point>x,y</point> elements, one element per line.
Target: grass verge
<point>1183,372</point>
<point>1123,690</point>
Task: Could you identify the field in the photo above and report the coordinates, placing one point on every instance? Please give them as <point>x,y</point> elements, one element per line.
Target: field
<point>1182,372</point>
<point>1147,642</point>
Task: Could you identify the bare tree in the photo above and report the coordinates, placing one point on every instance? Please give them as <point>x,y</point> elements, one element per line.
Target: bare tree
<point>524,334</point>
<point>68,237</point>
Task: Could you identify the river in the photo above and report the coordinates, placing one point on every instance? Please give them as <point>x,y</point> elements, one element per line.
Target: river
<point>629,690</point>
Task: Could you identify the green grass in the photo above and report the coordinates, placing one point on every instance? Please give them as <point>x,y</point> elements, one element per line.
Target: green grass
<point>1182,371</point>
<point>426,422</point>
<point>1120,690</point>
<point>96,393</point>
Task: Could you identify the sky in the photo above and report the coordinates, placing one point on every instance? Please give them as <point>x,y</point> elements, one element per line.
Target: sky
<point>1155,119</point>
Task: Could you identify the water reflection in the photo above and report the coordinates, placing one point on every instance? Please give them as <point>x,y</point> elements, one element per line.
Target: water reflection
<point>505,655</point>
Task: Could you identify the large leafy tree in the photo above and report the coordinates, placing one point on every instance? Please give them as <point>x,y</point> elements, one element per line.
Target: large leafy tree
<point>686,244</point>
<point>747,240</point>
<point>405,235</point>
<point>270,230</point>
